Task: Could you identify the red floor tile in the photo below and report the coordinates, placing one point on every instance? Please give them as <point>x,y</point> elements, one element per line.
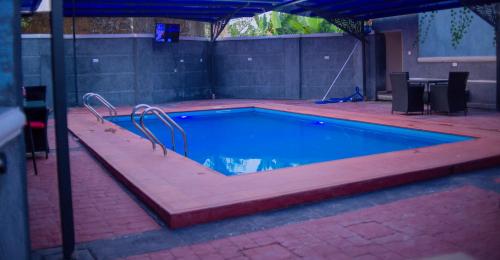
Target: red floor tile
<point>101,208</point>
<point>464,220</point>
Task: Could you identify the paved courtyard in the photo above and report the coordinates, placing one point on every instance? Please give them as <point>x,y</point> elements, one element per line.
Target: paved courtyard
<point>456,216</point>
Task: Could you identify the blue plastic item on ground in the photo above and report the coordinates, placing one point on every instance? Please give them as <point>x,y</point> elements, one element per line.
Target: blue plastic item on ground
<point>356,97</point>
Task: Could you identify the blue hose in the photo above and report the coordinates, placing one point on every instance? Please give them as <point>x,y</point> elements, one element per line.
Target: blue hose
<point>356,97</point>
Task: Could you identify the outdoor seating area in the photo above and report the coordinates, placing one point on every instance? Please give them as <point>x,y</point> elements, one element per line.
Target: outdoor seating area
<point>250,129</point>
<point>427,95</point>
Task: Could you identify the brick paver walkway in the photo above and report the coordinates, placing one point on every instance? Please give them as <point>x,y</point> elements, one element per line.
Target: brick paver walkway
<point>458,220</point>
<point>101,208</point>
<point>464,220</point>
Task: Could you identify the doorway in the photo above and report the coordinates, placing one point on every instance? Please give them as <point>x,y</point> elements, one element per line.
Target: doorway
<point>394,56</point>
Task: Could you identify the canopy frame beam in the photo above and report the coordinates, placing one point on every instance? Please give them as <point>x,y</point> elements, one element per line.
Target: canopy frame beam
<point>61,127</point>
<point>491,14</point>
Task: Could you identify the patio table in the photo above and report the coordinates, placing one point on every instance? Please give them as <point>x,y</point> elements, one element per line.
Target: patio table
<point>427,82</point>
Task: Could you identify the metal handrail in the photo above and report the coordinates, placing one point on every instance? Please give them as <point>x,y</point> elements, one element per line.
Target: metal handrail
<point>91,109</point>
<point>150,134</point>
<point>146,132</point>
<point>143,125</point>
<point>111,109</point>
<point>168,122</point>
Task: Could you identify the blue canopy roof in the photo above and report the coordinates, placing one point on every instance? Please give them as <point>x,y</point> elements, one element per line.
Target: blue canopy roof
<point>214,10</point>
<point>199,10</point>
<point>371,9</point>
<point>29,6</point>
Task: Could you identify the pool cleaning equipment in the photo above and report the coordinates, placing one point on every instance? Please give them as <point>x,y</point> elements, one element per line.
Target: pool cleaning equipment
<point>88,96</point>
<point>346,99</point>
<point>356,97</point>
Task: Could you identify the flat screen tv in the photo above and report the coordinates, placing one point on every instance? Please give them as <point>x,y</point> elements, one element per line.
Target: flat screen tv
<point>167,32</point>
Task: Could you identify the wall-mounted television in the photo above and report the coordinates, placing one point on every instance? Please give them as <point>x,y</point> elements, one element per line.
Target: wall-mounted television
<point>167,32</point>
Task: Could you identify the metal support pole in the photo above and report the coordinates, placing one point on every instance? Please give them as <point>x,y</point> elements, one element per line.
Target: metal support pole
<point>211,61</point>
<point>61,126</point>
<point>211,31</point>
<point>75,72</point>
<point>497,39</point>
<point>363,50</point>
<point>300,68</point>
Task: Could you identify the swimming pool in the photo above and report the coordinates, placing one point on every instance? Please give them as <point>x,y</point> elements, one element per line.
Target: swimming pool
<point>247,140</point>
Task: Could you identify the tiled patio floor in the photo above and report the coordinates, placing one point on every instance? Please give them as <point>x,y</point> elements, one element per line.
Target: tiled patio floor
<point>451,215</point>
<point>101,208</point>
<point>464,221</point>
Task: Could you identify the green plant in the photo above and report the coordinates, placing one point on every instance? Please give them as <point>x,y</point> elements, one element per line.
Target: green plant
<point>460,23</point>
<point>25,22</point>
<point>275,23</point>
<point>425,21</point>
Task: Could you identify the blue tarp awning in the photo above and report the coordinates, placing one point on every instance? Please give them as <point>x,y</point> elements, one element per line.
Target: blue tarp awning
<point>371,9</point>
<point>213,10</point>
<point>29,6</point>
<point>198,10</point>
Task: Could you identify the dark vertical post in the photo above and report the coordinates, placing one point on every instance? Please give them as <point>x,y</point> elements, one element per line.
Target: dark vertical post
<point>211,61</point>
<point>497,39</point>
<point>75,72</point>
<point>300,67</point>
<point>17,73</point>
<point>212,32</point>
<point>61,126</point>
<point>363,50</point>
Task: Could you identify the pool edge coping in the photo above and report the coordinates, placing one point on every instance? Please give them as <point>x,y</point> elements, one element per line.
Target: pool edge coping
<point>216,212</point>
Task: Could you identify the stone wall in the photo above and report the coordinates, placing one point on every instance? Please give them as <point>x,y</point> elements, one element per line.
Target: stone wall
<point>131,69</point>
<point>125,70</point>
<point>290,67</point>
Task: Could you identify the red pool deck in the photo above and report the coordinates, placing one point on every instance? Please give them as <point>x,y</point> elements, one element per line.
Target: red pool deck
<point>461,223</point>
<point>184,192</point>
<point>102,210</point>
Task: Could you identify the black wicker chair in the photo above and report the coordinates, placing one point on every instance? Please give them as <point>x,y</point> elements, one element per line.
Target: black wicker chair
<point>405,97</point>
<point>451,97</point>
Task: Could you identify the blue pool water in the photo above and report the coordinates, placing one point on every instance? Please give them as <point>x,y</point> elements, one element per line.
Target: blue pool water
<point>246,140</point>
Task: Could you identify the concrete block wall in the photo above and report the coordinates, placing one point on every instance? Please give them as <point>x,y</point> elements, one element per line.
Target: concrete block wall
<point>126,70</point>
<point>171,72</point>
<point>132,69</point>
<point>322,59</point>
<point>254,68</point>
<point>289,67</point>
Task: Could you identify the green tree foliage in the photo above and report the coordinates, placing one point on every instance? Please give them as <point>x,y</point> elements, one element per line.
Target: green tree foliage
<point>275,23</point>
<point>25,22</point>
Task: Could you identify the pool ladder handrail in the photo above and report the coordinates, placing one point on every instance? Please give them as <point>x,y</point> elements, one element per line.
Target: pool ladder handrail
<point>111,109</point>
<point>149,135</point>
<point>169,122</point>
